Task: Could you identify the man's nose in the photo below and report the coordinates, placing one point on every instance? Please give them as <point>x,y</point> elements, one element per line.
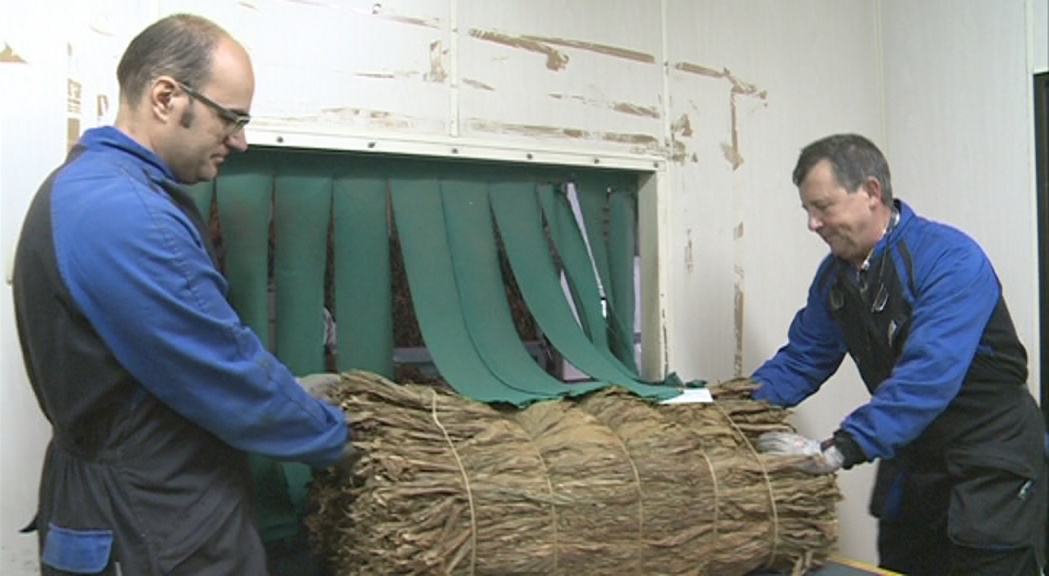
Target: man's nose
<point>814,223</point>
<point>238,141</point>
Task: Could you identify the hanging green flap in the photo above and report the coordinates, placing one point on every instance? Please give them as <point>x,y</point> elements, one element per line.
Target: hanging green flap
<point>592,193</point>
<point>482,293</point>
<point>622,245</point>
<point>363,302</point>
<point>520,224</point>
<point>575,260</point>
<point>244,197</point>
<point>201,193</point>
<point>428,264</point>
<point>301,211</point>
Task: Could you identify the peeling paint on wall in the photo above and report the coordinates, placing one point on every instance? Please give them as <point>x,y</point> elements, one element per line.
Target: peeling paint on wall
<point>643,143</point>
<point>371,118</point>
<point>477,84</point>
<point>614,51</point>
<point>248,5</point>
<point>378,11</point>
<point>737,232</point>
<point>731,150</point>
<point>680,128</point>
<point>436,73</point>
<point>622,107</point>
<point>309,3</point>
<point>9,56</point>
<point>555,59</point>
<point>689,262</point>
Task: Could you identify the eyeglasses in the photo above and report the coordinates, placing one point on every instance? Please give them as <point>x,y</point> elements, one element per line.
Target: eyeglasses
<point>235,120</point>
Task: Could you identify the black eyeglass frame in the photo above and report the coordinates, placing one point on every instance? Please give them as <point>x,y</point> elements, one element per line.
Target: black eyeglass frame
<point>236,120</point>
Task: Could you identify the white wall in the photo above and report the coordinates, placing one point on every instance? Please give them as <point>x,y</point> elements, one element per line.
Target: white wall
<point>960,132</point>
<point>716,96</point>
<point>32,142</point>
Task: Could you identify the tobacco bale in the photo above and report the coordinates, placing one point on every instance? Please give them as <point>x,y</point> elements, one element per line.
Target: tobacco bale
<point>606,484</point>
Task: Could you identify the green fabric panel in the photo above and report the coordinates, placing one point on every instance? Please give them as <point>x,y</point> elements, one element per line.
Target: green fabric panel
<point>482,294</point>
<point>427,261</point>
<point>244,198</point>
<point>201,193</point>
<point>622,239</point>
<point>578,267</point>
<point>301,211</point>
<point>606,246</point>
<point>520,223</point>
<point>363,301</point>
<point>592,192</point>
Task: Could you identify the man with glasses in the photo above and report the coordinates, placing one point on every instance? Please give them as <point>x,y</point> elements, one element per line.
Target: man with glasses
<point>154,388</point>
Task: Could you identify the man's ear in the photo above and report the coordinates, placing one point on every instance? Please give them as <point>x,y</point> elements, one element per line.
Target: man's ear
<point>873,189</point>
<point>161,98</point>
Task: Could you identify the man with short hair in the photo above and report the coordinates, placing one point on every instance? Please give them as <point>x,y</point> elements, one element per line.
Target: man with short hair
<point>961,486</point>
<point>154,388</point>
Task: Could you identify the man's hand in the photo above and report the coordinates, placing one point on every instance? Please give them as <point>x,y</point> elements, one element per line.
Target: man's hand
<point>821,460</point>
<point>320,385</point>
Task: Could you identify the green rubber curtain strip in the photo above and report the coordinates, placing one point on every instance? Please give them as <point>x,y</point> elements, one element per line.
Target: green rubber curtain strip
<point>482,293</point>
<point>575,260</point>
<point>244,196</point>
<point>520,222</point>
<point>301,210</point>
<point>606,246</point>
<point>363,301</point>
<point>427,261</point>
<point>622,245</point>
<point>578,267</point>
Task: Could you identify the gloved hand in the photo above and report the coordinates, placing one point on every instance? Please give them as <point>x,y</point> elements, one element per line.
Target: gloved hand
<point>319,385</point>
<point>821,459</point>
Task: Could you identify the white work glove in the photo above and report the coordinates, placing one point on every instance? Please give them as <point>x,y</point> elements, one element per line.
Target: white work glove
<point>320,385</point>
<point>820,460</point>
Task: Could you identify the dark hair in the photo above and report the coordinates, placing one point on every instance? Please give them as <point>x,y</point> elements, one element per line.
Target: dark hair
<point>853,159</point>
<point>179,45</point>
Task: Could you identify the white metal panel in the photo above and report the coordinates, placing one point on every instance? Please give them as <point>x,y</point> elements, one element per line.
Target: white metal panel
<point>750,84</point>
<point>1039,41</point>
<point>959,126</point>
<point>584,74</point>
<point>33,124</point>
<point>341,66</point>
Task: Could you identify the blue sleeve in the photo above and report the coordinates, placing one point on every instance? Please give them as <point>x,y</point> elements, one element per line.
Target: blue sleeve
<point>137,267</point>
<point>956,293</point>
<point>814,350</point>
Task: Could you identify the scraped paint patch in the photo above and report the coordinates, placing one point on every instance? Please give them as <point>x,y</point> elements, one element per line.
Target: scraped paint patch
<point>555,59</point>
<point>477,84</point>
<point>9,56</point>
<point>604,49</point>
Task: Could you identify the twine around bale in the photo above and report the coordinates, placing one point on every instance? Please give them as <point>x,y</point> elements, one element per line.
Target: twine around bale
<point>768,485</point>
<point>466,484</point>
<point>640,502</point>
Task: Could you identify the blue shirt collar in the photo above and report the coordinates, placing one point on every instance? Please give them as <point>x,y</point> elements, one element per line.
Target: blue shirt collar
<point>112,138</point>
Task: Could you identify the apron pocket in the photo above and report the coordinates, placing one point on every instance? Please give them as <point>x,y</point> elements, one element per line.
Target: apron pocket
<point>77,551</point>
<point>995,506</point>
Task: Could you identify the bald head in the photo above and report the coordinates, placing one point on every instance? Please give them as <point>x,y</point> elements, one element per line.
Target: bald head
<point>181,46</point>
